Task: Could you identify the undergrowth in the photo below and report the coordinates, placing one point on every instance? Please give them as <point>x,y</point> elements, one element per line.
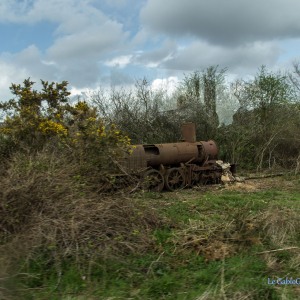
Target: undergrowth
<point>71,228</point>
<point>54,225</point>
<point>190,244</point>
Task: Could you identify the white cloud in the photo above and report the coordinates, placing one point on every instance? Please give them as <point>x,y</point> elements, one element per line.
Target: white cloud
<point>90,43</point>
<point>168,84</point>
<point>82,30</point>
<point>120,61</point>
<point>9,74</point>
<point>83,37</point>
<point>75,92</point>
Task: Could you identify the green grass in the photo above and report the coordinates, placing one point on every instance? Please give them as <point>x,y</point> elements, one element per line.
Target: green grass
<point>173,270</point>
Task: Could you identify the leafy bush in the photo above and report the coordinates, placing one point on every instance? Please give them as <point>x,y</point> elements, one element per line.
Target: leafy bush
<point>57,164</point>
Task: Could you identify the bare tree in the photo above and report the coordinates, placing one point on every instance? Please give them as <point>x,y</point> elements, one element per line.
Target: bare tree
<point>266,103</point>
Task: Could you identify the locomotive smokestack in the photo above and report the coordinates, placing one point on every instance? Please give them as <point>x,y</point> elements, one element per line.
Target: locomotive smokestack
<point>188,132</point>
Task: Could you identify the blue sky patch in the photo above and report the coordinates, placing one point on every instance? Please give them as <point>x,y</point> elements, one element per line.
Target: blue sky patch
<point>16,37</point>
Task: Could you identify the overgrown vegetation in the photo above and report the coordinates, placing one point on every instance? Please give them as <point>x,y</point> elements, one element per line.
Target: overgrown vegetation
<point>70,229</point>
<point>57,162</point>
<point>265,110</point>
<point>220,243</point>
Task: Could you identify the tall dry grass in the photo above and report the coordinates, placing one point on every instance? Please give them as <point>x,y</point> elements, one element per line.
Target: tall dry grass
<point>51,211</point>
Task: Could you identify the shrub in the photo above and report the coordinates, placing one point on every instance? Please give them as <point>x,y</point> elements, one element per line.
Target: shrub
<point>57,164</point>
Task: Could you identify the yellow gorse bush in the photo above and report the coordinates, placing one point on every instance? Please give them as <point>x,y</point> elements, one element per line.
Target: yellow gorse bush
<point>101,132</point>
<point>34,116</point>
<point>50,127</point>
<point>82,106</point>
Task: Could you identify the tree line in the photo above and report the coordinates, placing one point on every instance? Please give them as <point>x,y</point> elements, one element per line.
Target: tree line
<point>254,121</point>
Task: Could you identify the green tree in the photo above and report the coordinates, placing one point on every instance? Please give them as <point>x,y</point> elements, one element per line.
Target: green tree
<point>197,99</point>
<point>212,79</point>
<point>266,103</point>
<point>190,90</point>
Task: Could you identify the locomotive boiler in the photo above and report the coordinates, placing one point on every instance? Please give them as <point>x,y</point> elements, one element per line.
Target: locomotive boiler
<point>175,165</point>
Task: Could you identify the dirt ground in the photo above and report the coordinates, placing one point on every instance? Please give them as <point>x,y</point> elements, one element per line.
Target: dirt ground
<point>284,183</point>
<point>265,183</point>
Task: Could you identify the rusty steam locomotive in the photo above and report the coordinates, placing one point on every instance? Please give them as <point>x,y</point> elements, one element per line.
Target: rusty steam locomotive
<point>176,165</point>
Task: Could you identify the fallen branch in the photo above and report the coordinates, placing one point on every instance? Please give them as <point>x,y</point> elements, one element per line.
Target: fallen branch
<point>264,176</point>
<point>277,250</point>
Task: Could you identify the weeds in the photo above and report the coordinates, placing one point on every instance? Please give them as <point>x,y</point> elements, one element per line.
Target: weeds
<point>77,243</point>
<point>51,219</point>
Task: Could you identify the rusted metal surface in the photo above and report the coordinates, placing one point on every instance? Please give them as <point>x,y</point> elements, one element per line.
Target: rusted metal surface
<point>170,154</point>
<point>176,165</point>
<point>210,149</point>
<point>175,178</point>
<point>188,132</point>
<point>176,153</point>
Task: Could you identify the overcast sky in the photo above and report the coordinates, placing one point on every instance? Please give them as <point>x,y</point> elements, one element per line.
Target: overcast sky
<point>114,42</point>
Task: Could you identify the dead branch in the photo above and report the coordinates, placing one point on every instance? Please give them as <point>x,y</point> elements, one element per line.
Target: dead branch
<point>265,176</point>
<point>278,250</point>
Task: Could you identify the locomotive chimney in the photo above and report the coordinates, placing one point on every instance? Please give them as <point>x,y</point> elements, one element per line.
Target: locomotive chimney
<point>188,132</point>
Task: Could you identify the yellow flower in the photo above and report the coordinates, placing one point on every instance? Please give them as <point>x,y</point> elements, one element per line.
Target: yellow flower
<point>82,105</point>
<point>101,131</point>
<point>50,127</point>
<point>91,119</point>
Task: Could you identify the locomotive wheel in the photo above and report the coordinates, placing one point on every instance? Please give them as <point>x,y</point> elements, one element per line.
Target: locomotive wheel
<point>174,179</point>
<point>153,181</point>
